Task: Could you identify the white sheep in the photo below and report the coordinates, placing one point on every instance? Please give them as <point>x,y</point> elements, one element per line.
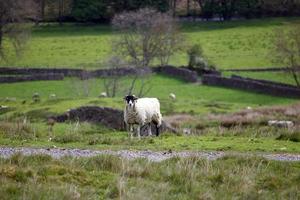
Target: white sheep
<point>281,124</point>
<point>142,111</point>
<point>103,94</point>
<point>52,96</point>
<point>172,96</point>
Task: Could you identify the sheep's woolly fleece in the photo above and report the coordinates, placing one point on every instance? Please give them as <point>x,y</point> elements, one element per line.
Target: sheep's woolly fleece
<point>153,156</point>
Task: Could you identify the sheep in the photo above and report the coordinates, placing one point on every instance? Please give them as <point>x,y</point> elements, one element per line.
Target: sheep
<point>281,124</point>
<point>142,111</point>
<point>52,96</point>
<point>36,97</point>
<point>103,94</point>
<point>172,96</point>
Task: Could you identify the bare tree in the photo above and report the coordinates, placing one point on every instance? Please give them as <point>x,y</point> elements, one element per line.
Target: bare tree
<point>13,15</point>
<point>145,35</point>
<point>112,83</point>
<point>287,50</point>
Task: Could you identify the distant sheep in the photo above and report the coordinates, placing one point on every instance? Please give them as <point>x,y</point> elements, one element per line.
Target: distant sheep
<point>281,124</point>
<point>36,97</point>
<point>142,111</point>
<point>103,94</point>
<point>172,96</point>
<point>52,96</point>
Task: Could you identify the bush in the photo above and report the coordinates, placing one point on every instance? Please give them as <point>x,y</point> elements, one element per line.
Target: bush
<point>36,97</point>
<point>18,130</point>
<point>197,58</point>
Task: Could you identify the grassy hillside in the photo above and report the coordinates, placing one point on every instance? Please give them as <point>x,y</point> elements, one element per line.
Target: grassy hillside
<point>190,97</point>
<point>233,44</point>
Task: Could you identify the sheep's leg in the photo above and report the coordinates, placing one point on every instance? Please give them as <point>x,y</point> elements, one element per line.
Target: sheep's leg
<point>157,130</point>
<point>139,131</point>
<point>149,130</point>
<point>131,130</point>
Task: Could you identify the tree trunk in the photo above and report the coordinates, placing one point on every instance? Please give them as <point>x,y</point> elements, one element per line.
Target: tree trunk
<point>1,37</point>
<point>60,11</point>
<point>1,40</point>
<point>294,73</point>
<point>188,8</point>
<point>174,7</point>
<point>42,10</point>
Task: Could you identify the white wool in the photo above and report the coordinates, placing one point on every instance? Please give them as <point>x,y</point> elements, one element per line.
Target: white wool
<point>144,111</point>
<point>287,124</point>
<point>172,96</point>
<point>103,94</point>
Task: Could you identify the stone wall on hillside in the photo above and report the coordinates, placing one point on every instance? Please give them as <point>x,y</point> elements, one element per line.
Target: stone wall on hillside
<point>264,87</point>
<point>178,72</point>
<point>83,74</point>
<point>34,77</point>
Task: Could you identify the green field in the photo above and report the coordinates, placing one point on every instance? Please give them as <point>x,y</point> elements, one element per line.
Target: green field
<point>190,97</point>
<point>233,44</point>
<point>107,177</point>
<point>220,119</point>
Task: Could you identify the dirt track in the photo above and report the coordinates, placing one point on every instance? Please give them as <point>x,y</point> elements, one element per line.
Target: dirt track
<point>150,155</point>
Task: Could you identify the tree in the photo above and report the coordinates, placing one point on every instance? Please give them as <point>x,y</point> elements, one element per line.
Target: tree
<point>13,16</point>
<point>91,10</point>
<point>146,35</point>
<point>104,10</point>
<point>112,83</point>
<point>60,11</point>
<point>208,8</point>
<point>287,50</point>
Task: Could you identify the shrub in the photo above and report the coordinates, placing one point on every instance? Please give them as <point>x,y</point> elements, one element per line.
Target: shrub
<point>197,59</point>
<point>293,136</point>
<point>67,138</point>
<point>18,130</point>
<point>36,97</point>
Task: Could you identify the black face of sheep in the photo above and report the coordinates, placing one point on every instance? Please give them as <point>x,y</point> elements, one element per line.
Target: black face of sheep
<point>130,100</point>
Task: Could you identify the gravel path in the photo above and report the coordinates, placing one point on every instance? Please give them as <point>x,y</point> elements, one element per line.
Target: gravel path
<point>150,155</point>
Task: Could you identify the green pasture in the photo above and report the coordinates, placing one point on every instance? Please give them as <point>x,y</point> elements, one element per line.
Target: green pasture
<point>235,44</point>
<point>35,133</point>
<point>190,97</point>
<point>109,177</point>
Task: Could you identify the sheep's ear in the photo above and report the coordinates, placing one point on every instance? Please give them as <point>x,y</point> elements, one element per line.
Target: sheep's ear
<point>135,98</point>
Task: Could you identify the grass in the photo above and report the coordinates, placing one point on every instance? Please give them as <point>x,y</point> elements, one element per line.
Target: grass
<point>88,136</point>
<point>108,177</point>
<point>235,44</point>
<point>191,98</point>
